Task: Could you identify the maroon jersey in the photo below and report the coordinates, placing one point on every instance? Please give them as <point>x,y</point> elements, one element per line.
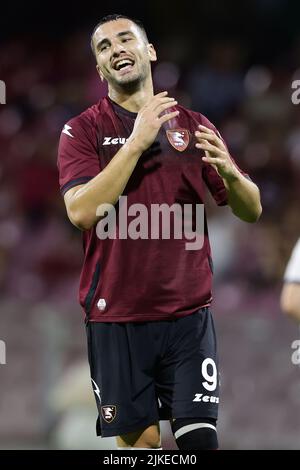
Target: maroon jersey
<point>125,279</point>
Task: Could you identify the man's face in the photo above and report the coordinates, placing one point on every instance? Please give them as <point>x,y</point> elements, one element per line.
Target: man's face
<point>122,53</point>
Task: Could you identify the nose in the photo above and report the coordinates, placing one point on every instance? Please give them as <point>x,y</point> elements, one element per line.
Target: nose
<point>117,48</point>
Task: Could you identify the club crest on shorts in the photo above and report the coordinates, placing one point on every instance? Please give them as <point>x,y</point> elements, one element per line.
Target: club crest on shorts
<point>109,413</point>
<point>178,138</point>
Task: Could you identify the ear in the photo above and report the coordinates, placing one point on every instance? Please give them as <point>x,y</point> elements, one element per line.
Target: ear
<point>100,73</point>
<point>152,53</point>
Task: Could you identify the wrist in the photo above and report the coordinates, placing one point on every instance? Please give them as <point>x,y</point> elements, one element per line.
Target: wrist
<point>232,177</point>
<point>134,146</point>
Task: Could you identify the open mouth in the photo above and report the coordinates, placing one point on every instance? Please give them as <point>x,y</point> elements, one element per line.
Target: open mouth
<point>124,65</point>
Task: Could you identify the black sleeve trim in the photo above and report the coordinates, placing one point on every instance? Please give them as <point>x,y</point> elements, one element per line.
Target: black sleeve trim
<point>70,184</point>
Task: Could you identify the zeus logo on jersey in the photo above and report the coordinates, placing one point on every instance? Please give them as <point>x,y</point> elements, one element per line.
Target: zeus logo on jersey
<point>114,141</point>
<point>206,398</point>
<point>178,138</point>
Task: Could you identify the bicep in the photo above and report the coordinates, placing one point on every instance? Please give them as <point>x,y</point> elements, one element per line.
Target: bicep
<point>78,160</point>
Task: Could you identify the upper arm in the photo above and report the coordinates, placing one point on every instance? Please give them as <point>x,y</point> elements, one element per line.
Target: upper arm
<point>78,159</point>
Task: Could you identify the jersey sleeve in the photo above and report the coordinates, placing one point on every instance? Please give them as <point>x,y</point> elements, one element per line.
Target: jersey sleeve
<point>78,160</point>
<point>213,180</point>
<point>292,272</point>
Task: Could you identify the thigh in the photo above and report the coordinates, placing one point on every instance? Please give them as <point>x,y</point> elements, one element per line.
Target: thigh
<point>121,379</point>
<point>188,382</point>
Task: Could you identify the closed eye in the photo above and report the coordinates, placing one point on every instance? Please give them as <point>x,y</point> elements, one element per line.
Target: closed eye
<point>102,48</point>
<point>105,44</point>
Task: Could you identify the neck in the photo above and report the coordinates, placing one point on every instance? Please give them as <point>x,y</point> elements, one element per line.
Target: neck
<point>132,100</point>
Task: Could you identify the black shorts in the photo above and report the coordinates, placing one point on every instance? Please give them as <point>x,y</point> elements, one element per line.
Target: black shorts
<point>143,372</point>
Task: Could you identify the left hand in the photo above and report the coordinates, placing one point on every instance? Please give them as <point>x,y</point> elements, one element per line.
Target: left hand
<point>216,153</point>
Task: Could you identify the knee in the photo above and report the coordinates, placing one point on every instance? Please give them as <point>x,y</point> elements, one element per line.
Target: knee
<point>195,433</point>
<point>148,438</point>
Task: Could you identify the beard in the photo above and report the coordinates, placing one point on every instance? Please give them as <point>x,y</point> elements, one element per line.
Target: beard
<point>131,83</point>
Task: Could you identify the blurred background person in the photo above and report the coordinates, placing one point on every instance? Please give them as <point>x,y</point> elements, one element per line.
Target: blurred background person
<point>290,295</point>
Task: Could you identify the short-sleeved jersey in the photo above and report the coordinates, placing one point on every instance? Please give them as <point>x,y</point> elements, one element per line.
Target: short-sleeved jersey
<point>125,279</point>
<point>292,272</point>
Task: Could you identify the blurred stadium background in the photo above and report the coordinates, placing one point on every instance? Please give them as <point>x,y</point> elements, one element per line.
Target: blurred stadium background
<point>233,61</point>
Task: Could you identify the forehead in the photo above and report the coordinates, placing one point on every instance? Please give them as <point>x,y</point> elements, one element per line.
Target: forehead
<point>111,29</point>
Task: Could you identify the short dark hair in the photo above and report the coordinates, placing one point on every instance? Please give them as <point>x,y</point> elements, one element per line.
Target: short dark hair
<point>115,17</point>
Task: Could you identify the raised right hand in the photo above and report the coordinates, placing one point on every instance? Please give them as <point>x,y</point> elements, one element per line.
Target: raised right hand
<point>149,120</point>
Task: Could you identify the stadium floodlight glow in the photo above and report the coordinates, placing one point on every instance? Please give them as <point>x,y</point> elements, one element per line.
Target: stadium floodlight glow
<point>2,352</point>
<point>2,92</point>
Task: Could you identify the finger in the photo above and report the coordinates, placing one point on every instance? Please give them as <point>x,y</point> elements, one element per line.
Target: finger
<point>154,98</point>
<point>205,135</point>
<point>213,138</point>
<point>167,117</point>
<point>205,145</point>
<point>162,107</point>
<point>210,131</point>
<point>155,104</point>
<point>213,161</point>
<point>162,93</point>
<point>205,129</point>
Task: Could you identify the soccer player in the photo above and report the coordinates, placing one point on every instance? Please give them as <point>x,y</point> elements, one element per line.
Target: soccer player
<point>151,338</point>
<point>290,295</point>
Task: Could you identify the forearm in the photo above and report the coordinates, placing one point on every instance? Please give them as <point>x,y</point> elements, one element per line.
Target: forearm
<point>243,197</point>
<point>105,188</point>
